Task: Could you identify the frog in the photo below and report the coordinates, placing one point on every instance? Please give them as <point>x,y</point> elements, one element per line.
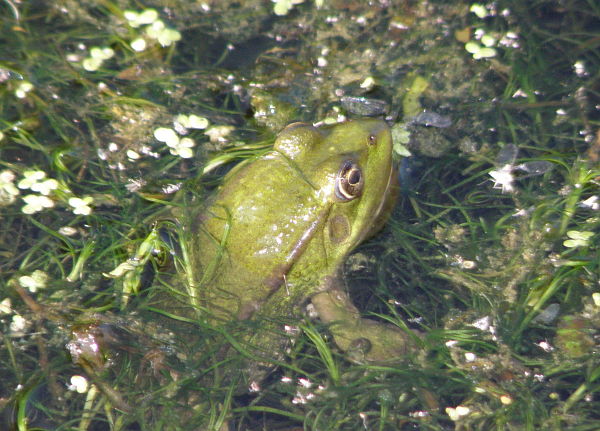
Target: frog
<point>275,235</point>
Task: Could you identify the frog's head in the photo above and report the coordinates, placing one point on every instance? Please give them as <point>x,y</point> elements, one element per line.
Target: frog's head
<point>348,169</point>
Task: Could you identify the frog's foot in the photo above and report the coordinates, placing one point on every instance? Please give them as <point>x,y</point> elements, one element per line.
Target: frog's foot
<point>365,339</point>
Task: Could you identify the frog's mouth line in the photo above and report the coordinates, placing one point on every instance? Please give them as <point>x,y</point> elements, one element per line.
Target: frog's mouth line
<point>277,279</point>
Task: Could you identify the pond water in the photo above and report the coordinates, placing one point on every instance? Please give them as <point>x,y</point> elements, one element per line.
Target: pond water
<point>118,117</point>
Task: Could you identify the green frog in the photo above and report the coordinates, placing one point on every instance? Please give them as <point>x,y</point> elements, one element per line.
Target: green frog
<point>272,239</point>
<point>277,231</point>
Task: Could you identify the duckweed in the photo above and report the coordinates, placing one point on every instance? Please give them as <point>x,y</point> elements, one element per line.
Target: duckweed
<point>115,117</point>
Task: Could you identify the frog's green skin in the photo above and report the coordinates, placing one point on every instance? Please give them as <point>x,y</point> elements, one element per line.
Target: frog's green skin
<point>280,227</point>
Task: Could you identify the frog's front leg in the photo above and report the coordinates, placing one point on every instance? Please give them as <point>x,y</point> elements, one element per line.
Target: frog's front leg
<point>370,340</point>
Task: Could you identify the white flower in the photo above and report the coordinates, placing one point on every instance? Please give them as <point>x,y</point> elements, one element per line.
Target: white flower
<point>91,64</point>
<point>368,83</point>
<point>23,88</point>
<point>183,148</point>
<point>103,53</point>
<point>503,178</point>
<point>6,306</point>
<point>78,384</point>
<point>135,184</point>
<point>81,206</point>
<point>97,56</point>
<point>282,7</point>
<point>133,155</point>
<point>167,36</point>
<point>218,133</point>
<point>32,182</point>
<point>164,35</point>
<point>37,280</point>
<point>479,51</point>
<point>148,16</point>
<point>591,202</point>
<point>192,121</point>
<point>36,203</point>
<point>138,44</point>
<point>8,191</point>
<point>31,178</point>
<point>132,17</point>
<point>488,40</point>
<point>579,68</point>
<point>154,29</point>
<point>578,239</point>
<point>458,412</point>
<point>67,230</point>
<point>166,135</point>
<point>135,19</point>
<point>45,187</point>
<point>479,10</point>
<point>18,325</point>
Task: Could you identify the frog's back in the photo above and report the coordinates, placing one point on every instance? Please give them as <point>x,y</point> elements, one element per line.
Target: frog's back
<point>246,238</point>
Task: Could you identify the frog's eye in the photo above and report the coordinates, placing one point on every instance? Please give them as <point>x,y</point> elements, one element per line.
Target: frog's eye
<point>349,182</point>
<point>372,140</point>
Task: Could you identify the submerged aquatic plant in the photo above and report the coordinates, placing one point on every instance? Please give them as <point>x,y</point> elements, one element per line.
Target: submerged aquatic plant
<point>500,277</point>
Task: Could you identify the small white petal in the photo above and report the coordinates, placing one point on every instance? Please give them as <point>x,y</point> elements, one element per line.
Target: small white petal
<point>138,44</point>
<point>132,155</point>
<point>6,306</point>
<point>67,231</point>
<point>131,15</point>
<point>91,64</point>
<point>18,325</point>
<point>107,53</point>
<point>185,153</point>
<point>148,16</point>
<point>186,143</point>
<point>488,40</point>
<point>197,122</point>
<point>79,384</point>
<point>183,120</point>
<point>166,135</point>
<point>96,52</point>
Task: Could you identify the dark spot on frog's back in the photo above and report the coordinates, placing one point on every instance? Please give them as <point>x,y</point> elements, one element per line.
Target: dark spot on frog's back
<point>339,228</point>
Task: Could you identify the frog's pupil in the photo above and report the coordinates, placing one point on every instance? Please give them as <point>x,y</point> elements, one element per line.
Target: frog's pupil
<point>354,177</point>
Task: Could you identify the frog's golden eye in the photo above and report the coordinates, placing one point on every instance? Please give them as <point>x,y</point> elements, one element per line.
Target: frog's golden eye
<point>349,182</point>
